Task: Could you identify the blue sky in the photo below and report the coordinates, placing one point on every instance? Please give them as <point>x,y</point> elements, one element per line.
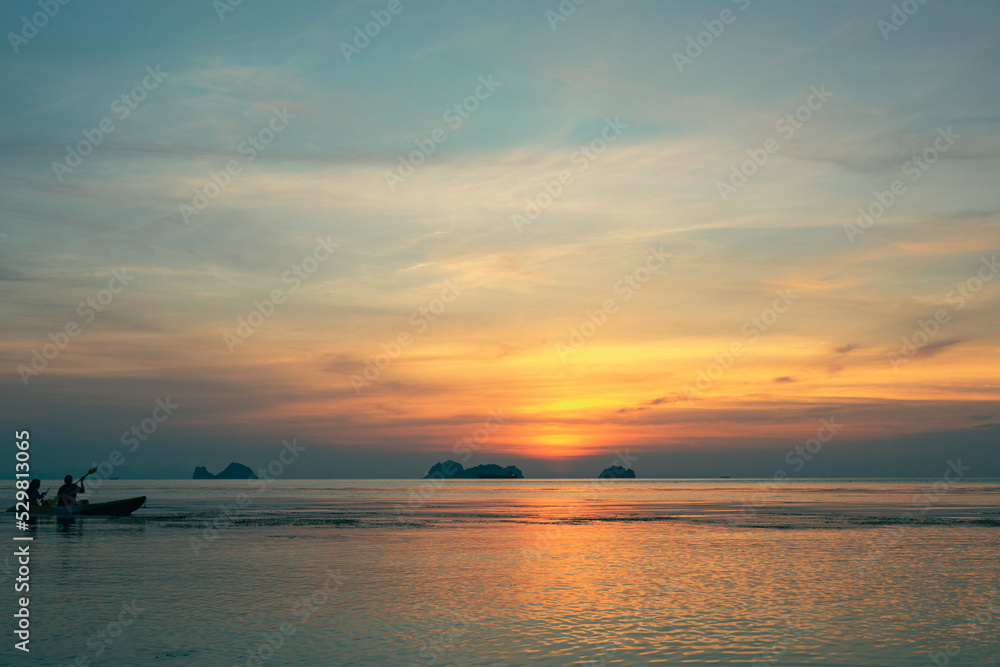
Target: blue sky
<point>655,185</point>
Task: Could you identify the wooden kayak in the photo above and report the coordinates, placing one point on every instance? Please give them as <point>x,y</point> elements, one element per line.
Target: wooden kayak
<point>113,508</point>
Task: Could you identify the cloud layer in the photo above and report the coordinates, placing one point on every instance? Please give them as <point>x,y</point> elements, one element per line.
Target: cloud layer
<point>494,244</point>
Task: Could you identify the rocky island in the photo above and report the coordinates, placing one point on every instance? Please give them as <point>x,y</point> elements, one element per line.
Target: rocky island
<point>233,471</point>
<point>617,472</point>
<point>453,470</point>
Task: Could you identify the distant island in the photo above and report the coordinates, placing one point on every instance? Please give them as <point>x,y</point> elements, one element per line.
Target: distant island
<point>617,472</point>
<point>453,470</point>
<point>233,471</point>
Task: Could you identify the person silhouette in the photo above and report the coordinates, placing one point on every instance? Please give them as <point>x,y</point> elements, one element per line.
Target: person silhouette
<point>67,492</point>
<point>34,497</point>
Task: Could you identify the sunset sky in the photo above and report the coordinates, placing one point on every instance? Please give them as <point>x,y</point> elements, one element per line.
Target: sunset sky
<point>629,152</point>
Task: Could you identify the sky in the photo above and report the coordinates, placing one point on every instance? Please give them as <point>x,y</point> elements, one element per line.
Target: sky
<point>703,239</point>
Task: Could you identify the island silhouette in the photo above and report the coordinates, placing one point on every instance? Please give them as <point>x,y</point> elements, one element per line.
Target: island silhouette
<point>233,471</point>
<point>454,470</point>
<point>617,472</point>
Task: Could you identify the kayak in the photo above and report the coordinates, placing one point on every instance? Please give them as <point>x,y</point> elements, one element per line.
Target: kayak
<point>112,508</point>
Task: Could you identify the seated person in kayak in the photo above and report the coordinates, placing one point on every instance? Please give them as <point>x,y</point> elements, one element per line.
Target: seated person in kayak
<point>67,492</point>
<point>34,497</point>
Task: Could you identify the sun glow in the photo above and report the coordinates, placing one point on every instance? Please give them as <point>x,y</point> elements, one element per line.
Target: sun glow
<point>558,444</point>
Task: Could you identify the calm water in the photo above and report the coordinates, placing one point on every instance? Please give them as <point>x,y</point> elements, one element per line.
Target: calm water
<point>521,572</point>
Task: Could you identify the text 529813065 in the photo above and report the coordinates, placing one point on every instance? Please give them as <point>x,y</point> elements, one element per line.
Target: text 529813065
<point>22,470</point>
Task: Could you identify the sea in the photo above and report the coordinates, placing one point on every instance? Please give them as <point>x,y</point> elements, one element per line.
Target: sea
<point>515,572</point>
